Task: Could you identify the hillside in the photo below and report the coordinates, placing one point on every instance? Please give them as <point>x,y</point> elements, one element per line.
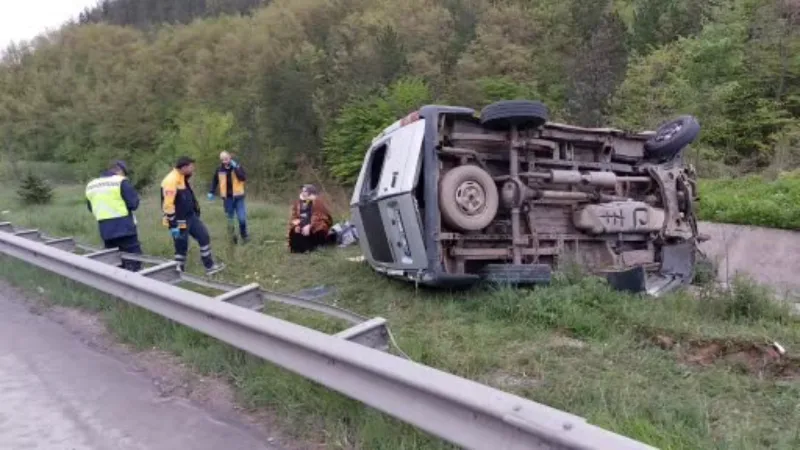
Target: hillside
<point>309,81</point>
<point>146,13</point>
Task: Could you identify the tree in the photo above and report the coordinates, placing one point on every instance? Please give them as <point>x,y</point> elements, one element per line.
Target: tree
<point>287,76</point>
<point>202,134</point>
<point>599,65</point>
<point>362,119</point>
<point>33,190</point>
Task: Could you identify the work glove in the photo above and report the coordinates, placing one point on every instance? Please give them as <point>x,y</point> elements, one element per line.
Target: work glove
<point>210,196</point>
<point>175,232</point>
<point>234,164</point>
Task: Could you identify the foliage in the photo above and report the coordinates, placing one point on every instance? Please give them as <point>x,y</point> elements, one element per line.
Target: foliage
<point>143,13</point>
<point>34,190</point>
<point>290,72</point>
<point>201,134</point>
<point>733,75</point>
<point>362,119</point>
<point>752,200</point>
<point>745,302</point>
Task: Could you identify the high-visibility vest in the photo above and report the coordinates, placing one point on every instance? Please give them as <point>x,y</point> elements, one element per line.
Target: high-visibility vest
<point>236,184</point>
<point>105,196</point>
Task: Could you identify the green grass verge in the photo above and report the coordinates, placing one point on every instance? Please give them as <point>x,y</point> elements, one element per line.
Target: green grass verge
<point>576,345</point>
<point>752,200</point>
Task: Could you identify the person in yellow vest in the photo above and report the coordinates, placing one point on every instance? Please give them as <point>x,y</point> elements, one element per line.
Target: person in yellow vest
<point>182,215</point>
<point>230,179</point>
<point>112,199</point>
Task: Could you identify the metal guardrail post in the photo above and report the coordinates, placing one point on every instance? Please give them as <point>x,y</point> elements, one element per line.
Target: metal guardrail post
<point>110,256</point>
<point>372,333</point>
<point>29,234</point>
<point>66,244</point>
<point>166,272</point>
<point>246,296</point>
<point>458,410</point>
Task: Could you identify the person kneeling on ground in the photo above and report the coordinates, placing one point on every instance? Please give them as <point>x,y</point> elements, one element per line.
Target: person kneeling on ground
<point>310,223</point>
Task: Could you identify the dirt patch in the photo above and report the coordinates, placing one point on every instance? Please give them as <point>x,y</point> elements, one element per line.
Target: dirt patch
<point>564,342</point>
<point>761,360</point>
<point>511,382</point>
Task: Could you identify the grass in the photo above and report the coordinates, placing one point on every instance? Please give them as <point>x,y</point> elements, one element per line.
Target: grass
<point>576,345</point>
<point>752,200</point>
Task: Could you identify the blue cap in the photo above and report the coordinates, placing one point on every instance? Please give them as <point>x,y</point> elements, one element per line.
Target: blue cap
<point>122,166</point>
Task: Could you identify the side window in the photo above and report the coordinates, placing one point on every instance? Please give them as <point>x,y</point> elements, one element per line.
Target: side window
<point>376,167</point>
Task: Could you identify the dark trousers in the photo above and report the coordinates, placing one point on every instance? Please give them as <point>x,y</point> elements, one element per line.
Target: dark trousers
<point>235,206</point>
<point>302,244</point>
<point>197,230</point>
<point>127,244</point>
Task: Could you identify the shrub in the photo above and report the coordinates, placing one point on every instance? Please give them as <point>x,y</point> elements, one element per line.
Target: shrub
<point>34,190</point>
<point>744,302</point>
<point>705,271</point>
<point>361,119</point>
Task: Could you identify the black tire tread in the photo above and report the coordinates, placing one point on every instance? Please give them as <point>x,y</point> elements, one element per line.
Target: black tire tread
<point>521,112</point>
<point>668,150</point>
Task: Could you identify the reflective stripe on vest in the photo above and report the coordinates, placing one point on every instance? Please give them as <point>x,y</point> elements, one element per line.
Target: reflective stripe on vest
<point>236,183</point>
<point>105,196</point>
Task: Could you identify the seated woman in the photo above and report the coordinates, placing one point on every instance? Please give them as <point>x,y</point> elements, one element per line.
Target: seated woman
<point>310,223</point>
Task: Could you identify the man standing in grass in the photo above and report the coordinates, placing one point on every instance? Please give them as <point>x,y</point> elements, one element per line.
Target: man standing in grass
<point>182,215</point>
<point>230,179</point>
<point>112,199</point>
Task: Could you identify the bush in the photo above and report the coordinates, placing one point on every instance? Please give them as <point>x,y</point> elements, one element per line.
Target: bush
<point>705,271</point>
<point>34,190</point>
<point>361,119</point>
<point>744,302</point>
<point>201,134</point>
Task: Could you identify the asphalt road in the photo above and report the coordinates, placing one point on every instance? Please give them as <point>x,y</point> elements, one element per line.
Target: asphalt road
<point>58,393</point>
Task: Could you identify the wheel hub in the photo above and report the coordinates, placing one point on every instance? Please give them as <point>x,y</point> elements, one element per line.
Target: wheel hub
<point>471,198</point>
<point>668,132</point>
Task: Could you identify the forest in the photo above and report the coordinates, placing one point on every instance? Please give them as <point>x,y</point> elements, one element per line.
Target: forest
<point>290,84</point>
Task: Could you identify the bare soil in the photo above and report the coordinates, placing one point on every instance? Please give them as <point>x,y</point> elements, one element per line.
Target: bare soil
<point>762,360</point>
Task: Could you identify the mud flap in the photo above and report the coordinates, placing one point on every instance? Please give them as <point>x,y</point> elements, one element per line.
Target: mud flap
<point>677,269</point>
<point>630,280</point>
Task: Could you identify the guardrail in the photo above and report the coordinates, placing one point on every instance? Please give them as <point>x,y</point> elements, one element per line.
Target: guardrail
<point>455,409</point>
<point>371,332</point>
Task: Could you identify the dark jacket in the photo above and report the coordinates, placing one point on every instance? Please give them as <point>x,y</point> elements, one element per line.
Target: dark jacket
<point>122,226</point>
<point>233,180</point>
<point>178,202</point>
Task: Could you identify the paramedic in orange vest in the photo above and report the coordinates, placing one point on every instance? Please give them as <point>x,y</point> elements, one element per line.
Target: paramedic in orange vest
<point>230,179</point>
<point>182,215</point>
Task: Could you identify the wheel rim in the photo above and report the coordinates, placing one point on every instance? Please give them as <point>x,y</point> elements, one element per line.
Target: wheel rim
<point>669,131</point>
<point>471,198</point>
